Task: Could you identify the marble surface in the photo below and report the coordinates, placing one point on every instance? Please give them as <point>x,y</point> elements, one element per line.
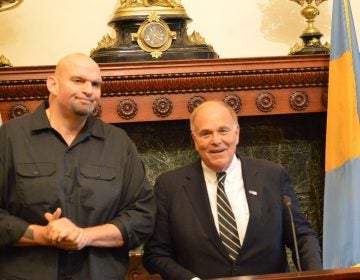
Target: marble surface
<point>295,141</point>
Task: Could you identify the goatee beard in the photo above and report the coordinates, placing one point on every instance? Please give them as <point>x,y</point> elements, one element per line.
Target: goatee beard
<point>84,112</point>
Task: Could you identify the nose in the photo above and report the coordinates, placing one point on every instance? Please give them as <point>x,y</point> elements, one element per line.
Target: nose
<point>215,139</point>
<point>88,88</point>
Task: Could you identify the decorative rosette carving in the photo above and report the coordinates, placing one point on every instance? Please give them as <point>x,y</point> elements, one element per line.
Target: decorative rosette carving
<point>97,111</point>
<point>265,102</point>
<point>194,102</point>
<point>17,110</point>
<point>127,109</point>
<point>299,100</point>
<point>324,98</point>
<point>162,107</point>
<point>233,101</point>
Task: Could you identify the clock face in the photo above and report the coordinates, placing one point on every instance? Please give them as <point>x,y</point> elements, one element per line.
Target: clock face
<point>155,35</point>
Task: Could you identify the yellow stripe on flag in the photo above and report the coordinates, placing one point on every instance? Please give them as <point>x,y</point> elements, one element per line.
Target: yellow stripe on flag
<point>343,130</point>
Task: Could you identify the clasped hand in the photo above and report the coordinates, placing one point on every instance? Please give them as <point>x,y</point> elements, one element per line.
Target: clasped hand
<point>63,233</point>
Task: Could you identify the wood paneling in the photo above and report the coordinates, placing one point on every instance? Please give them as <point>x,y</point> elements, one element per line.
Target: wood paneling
<point>169,90</point>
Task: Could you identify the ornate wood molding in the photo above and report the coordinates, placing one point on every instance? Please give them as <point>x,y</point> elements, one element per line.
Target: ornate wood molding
<point>170,90</point>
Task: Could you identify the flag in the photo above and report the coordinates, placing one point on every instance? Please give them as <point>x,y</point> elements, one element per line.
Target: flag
<point>341,228</point>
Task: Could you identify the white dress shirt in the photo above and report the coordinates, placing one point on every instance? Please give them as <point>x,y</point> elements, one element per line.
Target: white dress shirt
<point>235,191</point>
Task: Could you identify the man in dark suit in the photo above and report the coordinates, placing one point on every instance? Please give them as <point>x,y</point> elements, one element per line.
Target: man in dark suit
<point>231,224</point>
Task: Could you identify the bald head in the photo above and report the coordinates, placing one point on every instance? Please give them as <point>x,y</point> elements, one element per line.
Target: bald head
<point>212,105</point>
<point>75,60</point>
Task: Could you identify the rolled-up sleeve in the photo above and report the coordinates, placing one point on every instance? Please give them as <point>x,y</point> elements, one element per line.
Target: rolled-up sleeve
<point>137,211</point>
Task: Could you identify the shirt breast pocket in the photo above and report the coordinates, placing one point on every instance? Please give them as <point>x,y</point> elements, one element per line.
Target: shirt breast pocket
<point>98,185</point>
<point>36,183</point>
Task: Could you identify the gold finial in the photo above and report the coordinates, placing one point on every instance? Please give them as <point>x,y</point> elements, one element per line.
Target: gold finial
<point>311,35</point>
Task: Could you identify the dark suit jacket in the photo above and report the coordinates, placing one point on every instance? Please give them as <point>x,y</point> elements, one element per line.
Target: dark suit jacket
<point>186,244</point>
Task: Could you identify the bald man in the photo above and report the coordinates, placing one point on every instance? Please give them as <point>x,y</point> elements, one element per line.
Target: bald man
<point>74,198</point>
<point>223,215</point>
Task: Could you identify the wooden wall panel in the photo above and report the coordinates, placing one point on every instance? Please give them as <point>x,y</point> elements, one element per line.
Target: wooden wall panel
<point>169,90</point>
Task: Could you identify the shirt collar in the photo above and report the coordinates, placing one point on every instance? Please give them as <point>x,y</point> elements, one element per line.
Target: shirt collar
<point>39,119</point>
<point>211,174</point>
<point>40,122</point>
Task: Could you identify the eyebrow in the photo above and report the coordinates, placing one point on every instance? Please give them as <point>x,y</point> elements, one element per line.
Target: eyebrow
<point>98,82</point>
<point>219,128</point>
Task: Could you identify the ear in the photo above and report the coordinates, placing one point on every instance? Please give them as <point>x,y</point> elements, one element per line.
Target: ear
<point>52,84</point>
<point>194,140</point>
<point>238,134</point>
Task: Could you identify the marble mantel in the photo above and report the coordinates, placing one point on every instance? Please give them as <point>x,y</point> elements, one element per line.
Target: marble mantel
<point>169,90</point>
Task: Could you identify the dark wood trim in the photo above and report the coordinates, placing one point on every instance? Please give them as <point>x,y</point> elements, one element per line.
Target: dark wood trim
<point>169,90</point>
<point>330,274</point>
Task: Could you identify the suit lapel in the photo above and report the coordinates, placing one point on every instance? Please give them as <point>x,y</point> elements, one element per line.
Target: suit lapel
<point>196,191</point>
<point>253,188</point>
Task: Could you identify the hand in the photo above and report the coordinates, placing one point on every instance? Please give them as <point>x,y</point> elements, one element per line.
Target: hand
<point>74,241</point>
<point>63,233</point>
<point>54,216</point>
<point>50,217</point>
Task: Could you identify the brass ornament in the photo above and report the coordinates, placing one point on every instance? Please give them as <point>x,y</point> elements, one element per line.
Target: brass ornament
<point>196,38</point>
<point>106,42</point>
<point>9,4</point>
<point>311,43</point>
<point>154,35</point>
<point>4,62</point>
<point>131,8</point>
<point>6,5</point>
<point>147,3</point>
<point>151,30</point>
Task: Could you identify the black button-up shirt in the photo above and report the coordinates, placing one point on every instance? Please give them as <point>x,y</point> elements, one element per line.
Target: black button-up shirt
<point>98,179</point>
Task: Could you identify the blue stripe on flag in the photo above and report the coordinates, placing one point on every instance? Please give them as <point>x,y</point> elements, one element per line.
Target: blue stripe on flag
<point>342,224</point>
<point>356,57</point>
<point>339,34</point>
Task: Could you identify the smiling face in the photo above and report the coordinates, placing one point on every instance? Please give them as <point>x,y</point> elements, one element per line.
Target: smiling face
<point>215,132</point>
